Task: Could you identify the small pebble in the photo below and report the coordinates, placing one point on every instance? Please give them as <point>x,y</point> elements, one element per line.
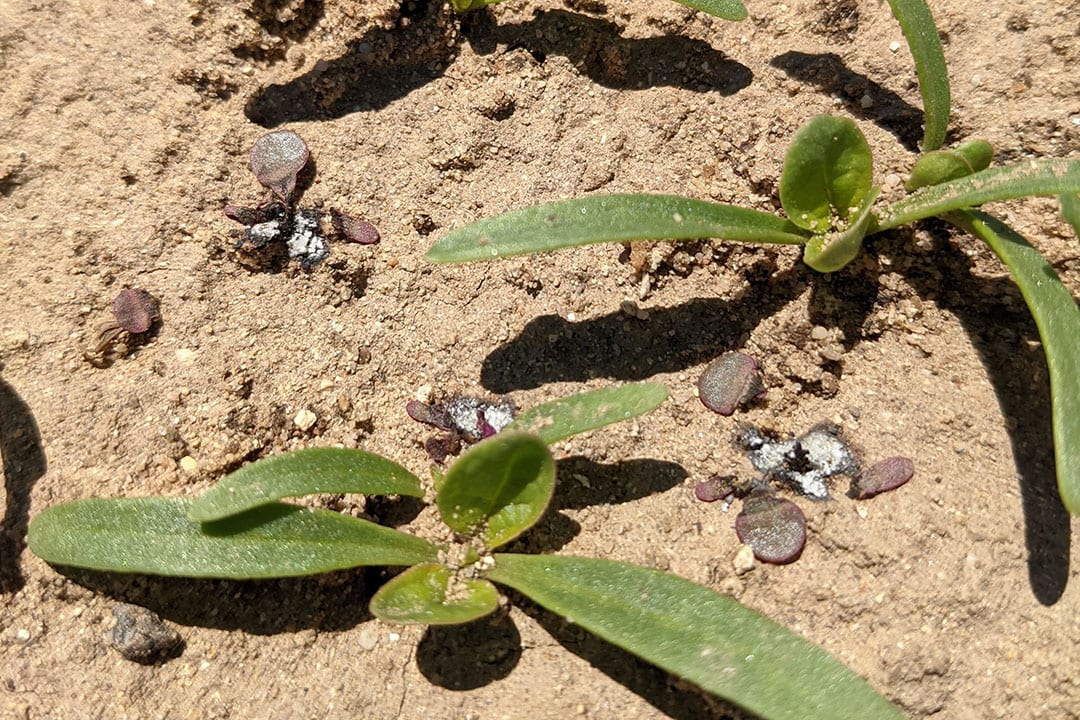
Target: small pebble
<point>744,560</point>
<point>189,465</point>
<point>305,420</point>
<point>141,636</point>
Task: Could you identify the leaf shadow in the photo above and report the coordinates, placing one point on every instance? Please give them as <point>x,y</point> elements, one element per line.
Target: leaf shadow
<point>552,349</point>
<point>828,73</point>
<point>1004,335</point>
<point>383,66</point>
<point>23,463</point>
<point>331,601</point>
<point>597,48</point>
<point>469,656</point>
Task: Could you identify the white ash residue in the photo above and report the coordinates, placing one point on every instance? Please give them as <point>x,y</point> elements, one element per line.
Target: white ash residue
<point>805,462</point>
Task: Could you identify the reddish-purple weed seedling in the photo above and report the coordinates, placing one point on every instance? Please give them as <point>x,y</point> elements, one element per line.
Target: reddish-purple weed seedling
<point>135,311</point>
<point>882,476</point>
<point>729,382</point>
<point>276,159</point>
<point>773,527</point>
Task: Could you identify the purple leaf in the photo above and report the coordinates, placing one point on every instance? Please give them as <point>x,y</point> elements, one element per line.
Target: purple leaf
<point>774,528</point>
<point>135,310</point>
<point>353,229</point>
<point>276,158</point>
<point>729,381</point>
<point>716,487</point>
<point>882,476</point>
<point>429,415</point>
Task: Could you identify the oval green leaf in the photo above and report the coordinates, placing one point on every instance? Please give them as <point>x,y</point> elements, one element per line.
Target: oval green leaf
<point>697,634</point>
<point>941,166</point>
<point>304,472</point>
<point>433,594</point>
<point>499,488</point>
<point>155,536</point>
<point>832,251</point>
<point>1058,321</point>
<point>726,9</point>
<point>560,419</point>
<point>609,218</point>
<point>1023,179</point>
<point>828,170</point>
<point>923,40</point>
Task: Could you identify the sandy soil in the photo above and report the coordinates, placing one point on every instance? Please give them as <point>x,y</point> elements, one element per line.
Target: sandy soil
<point>123,131</point>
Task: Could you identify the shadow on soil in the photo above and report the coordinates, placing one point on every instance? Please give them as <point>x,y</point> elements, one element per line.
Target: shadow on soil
<point>24,463</point>
<point>386,65</point>
<point>828,74</point>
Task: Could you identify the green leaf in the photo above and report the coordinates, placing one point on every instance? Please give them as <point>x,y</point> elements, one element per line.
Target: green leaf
<point>462,6</point>
<point>434,595</point>
<point>1058,320</point>
<point>1070,210</point>
<point>726,9</point>
<point>832,251</point>
<point>940,166</point>
<point>155,536</point>
<point>1023,179</point>
<point>608,218</point>
<point>499,488</point>
<point>304,472</point>
<point>697,634</point>
<point>828,170</point>
<point>925,44</point>
<point>562,418</point>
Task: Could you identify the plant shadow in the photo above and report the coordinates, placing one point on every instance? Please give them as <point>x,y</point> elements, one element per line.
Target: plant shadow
<point>552,349</point>
<point>469,656</point>
<point>828,74</point>
<point>23,463</point>
<point>331,601</point>
<point>386,65</point>
<point>1004,335</point>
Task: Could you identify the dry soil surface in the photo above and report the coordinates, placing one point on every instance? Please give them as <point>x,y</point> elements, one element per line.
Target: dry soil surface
<point>125,129</point>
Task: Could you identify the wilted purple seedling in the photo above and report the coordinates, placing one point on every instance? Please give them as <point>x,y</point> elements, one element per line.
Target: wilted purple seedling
<point>774,528</point>
<point>276,159</point>
<point>804,462</point>
<point>730,381</point>
<point>716,487</point>
<point>882,476</point>
<point>354,230</point>
<point>135,312</point>
<point>465,418</point>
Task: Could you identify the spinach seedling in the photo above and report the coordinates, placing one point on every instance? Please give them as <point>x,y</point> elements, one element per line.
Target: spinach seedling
<point>492,494</point>
<point>827,192</point>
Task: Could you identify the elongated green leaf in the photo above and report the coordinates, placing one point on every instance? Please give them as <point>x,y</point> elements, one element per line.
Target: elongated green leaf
<point>155,536</point>
<point>499,488</point>
<point>925,45</point>
<point>828,170</point>
<point>726,9</point>
<point>832,251</point>
<point>1031,177</point>
<point>608,218</point>
<point>304,472</point>
<point>562,418</point>
<point>939,166</point>
<point>432,594</point>
<point>1058,320</point>
<point>695,633</point>
<point>1070,210</point>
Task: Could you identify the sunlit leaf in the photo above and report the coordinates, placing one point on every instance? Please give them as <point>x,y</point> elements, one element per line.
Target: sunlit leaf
<point>1070,210</point>
<point>1058,320</point>
<point>155,536</point>
<point>1023,179</point>
<point>609,218</point>
<point>697,634</point>
<point>832,251</point>
<point>828,170</point>
<point>433,594</point>
<point>499,488</point>
<point>940,166</point>
<point>304,472</point>
<point>726,9</point>
<point>559,419</point>
<point>925,44</point>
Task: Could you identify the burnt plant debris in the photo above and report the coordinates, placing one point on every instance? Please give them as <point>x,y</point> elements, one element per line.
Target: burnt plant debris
<point>276,230</point>
<point>135,314</point>
<point>464,420</point>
